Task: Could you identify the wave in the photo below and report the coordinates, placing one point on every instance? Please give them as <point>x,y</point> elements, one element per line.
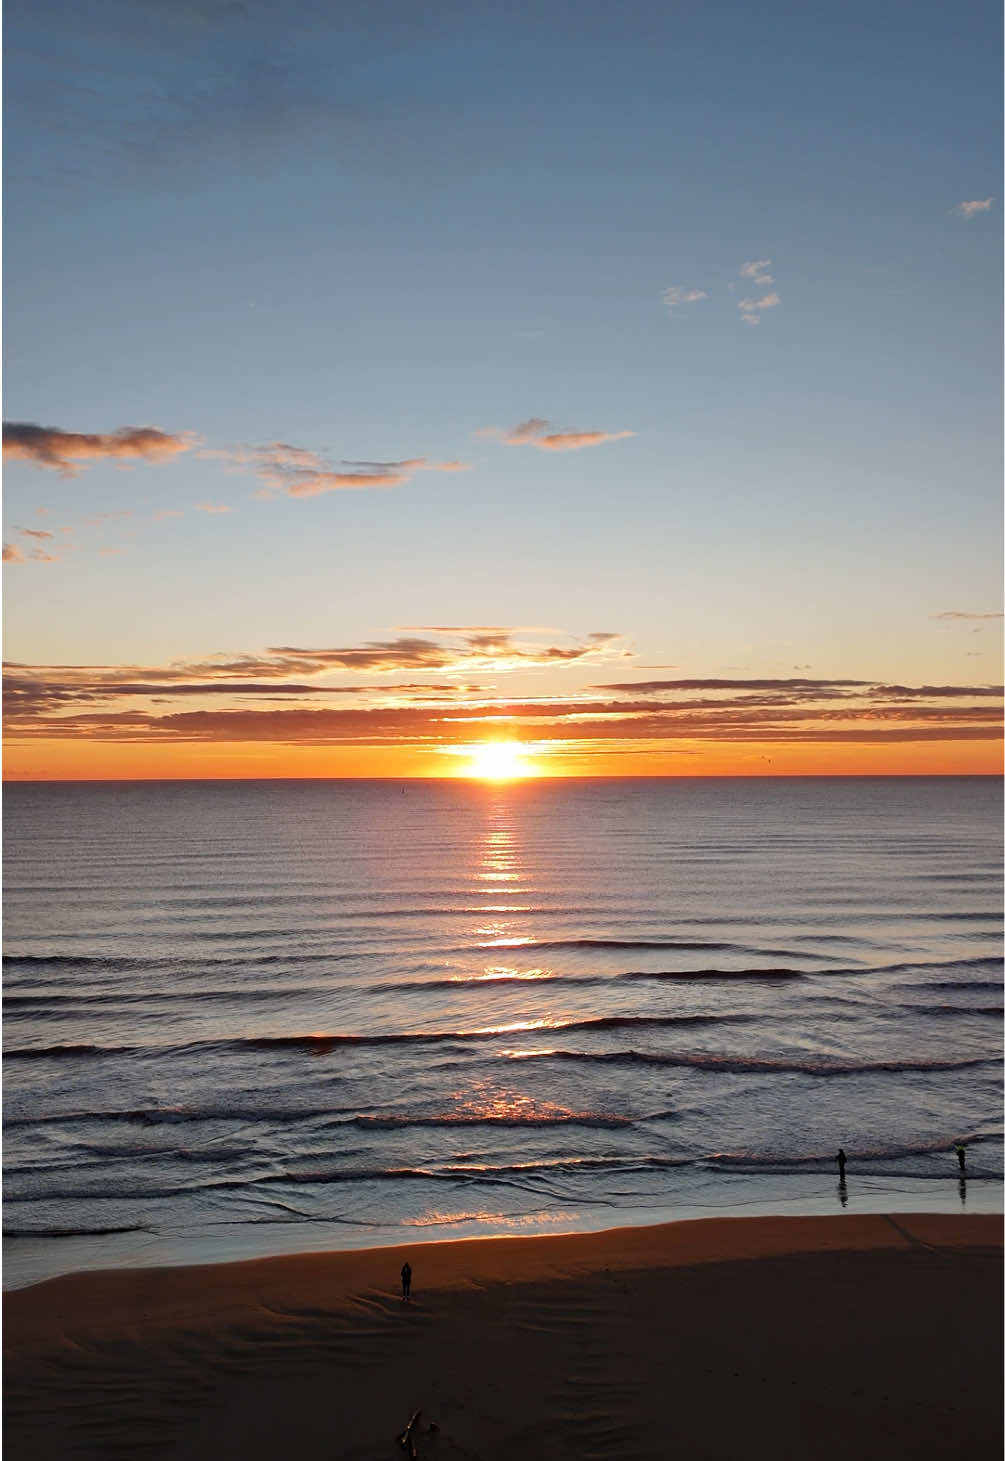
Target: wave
<point>28,1004</point>
<point>451,1119</point>
<point>743,1064</point>
<point>81,1232</point>
<point>533,1176</point>
<point>680,976</point>
<point>74,961</point>
<point>957,985</point>
<point>178,1115</point>
<point>321,1043</point>
<point>689,945</point>
<point>954,1009</point>
<point>61,1052</point>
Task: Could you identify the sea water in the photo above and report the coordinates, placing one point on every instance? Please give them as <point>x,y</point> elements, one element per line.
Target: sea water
<point>250,1017</point>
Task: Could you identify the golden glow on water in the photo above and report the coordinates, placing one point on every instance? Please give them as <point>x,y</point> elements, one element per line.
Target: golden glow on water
<point>435,1218</point>
<point>501,972</point>
<point>484,1101</point>
<point>514,1027</point>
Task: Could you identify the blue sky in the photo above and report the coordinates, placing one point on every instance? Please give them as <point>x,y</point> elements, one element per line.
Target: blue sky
<point>725,243</point>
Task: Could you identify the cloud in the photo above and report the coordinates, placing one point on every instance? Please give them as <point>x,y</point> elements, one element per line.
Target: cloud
<point>975,206</point>
<point>757,269</point>
<point>750,309</point>
<point>300,472</point>
<point>13,554</point>
<point>134,704</point>
<point>804,687</point>
<point>46,446</point>
<point>290,669</point>
<point>34,533</point>
<point>474,649</point>
<point>677,294</point>
<point>538,432</point>
<point>212,507</point>
<point>962,614</point>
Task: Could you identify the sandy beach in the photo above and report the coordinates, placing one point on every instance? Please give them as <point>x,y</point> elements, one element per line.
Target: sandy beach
<point>834,1336</point>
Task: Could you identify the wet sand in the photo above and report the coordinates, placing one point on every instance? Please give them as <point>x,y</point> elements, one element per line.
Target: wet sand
<point>854,1336</point>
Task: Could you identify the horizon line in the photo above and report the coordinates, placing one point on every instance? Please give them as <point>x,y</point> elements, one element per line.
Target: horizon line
<point>523,780</point>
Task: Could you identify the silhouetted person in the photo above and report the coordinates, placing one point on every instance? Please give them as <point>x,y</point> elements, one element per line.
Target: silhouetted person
<point>961,1156</point>
<point>841,1161</point>
<point>406,1282</point>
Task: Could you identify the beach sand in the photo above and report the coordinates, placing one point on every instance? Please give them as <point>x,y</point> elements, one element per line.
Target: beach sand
<point>853,1336</point>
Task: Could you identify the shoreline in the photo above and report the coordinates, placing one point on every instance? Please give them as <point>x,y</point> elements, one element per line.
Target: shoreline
<point>531,1345</point>
<point>30,1259</point>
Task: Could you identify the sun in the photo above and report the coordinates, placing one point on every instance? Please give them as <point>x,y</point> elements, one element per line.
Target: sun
<point>499,761</point>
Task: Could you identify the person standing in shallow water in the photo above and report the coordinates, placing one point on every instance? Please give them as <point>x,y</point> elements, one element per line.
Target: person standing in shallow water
<point>406,1282</point>
<point>961,1157</point>
<point>841,1161</point>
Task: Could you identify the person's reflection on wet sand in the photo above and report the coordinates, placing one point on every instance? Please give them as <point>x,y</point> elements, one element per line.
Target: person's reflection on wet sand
<point>843,1192</point>
<point>963,1191</point>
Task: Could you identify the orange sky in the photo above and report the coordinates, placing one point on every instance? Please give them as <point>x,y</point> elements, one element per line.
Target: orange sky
<point>417,705</point>
<point>59,760</point>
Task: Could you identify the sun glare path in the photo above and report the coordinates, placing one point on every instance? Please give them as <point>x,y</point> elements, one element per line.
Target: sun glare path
<point>499,761</point>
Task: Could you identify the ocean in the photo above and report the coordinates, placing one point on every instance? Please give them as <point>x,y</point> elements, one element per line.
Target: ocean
<point>254,1017</point>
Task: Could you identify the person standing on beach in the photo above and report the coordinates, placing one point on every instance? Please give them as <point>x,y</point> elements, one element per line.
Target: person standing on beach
<point>961,1156</point>
<point>406,1282</point>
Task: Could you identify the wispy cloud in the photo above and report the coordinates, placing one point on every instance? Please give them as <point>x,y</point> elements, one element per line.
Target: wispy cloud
<point>65,451</point>
<point>212,507</point>
<point>307,670</point>
<point>540,433</point>
<point>13,554</point>
<point>297,471</point>
<point>751,309</point>
<point>133,703</point>
<point>962,614</point>
<point>757,269</point>
<point>975,206</point>
<point>678,294</point>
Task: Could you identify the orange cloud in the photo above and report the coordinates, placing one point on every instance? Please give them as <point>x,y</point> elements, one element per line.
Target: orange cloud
<point>299,472</point>
<point>684,717</point>
<point>538,432</point>
<point>45,446</point>
<point>12,554</point>
<point>293,671</point>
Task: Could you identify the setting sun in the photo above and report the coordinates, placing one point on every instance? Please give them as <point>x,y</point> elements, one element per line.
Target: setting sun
<point>499,761</point>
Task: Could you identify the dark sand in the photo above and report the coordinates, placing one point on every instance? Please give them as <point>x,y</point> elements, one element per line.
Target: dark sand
<point>849,1337</point>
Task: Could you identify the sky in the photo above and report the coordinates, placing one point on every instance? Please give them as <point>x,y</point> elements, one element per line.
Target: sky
<point>619,382</point>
